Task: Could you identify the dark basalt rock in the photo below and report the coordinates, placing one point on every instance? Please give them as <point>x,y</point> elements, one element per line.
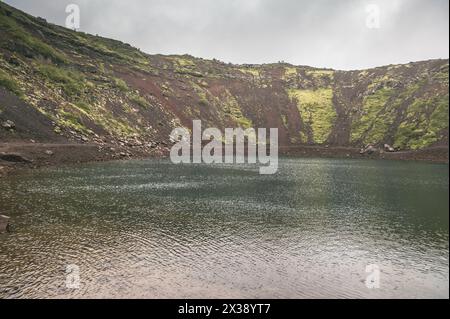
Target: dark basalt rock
<point>14,158</point>
<point>4,223</point>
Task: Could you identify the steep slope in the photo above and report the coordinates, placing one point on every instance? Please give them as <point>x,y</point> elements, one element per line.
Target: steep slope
<point>60,85</point>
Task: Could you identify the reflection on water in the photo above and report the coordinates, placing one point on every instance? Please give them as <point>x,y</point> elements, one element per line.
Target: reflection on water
<point>151,229</point>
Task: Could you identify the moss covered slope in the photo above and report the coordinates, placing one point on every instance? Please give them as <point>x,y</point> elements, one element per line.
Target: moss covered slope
<point>91,89</point>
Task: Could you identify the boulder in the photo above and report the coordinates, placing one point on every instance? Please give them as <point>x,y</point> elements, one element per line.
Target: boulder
<point>4,223</point>
<point>9,125</point>
<point>370,149</point>
<point>49,153</point>
<point>388,148</point>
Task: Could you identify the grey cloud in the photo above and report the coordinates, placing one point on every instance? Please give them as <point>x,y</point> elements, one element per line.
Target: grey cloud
<point>323,33</point>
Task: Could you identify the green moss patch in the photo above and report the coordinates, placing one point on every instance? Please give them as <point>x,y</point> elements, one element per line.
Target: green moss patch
<point>424,123</point>
<point>317,111</point>
<point>139,100</point>
<point>232,109</point>
<point>121,85</point>
<point>290,73</point>
<point>9,83</point>
<point>372,126</point>
<point>71,82</point>
<point>256,73</point>
<point>26,42</point>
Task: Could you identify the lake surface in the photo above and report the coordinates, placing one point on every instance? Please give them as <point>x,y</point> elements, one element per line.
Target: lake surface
<point>151,229</point>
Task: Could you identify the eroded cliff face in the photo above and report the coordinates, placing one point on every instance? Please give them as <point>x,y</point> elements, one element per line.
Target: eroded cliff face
<point>56,84</point>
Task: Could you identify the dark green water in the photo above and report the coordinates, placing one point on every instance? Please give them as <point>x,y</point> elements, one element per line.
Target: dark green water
<point>145,229</point>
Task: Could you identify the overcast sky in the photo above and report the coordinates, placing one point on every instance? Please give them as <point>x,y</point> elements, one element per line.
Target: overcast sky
<point>321,33</point>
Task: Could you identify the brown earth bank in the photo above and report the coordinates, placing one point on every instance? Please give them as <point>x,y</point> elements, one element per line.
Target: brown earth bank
<point>438,154</point>
<point>16,156</point>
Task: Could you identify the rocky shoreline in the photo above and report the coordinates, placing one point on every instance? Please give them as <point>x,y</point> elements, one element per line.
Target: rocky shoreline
<point>436,154</point>
<point>16,156</point>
